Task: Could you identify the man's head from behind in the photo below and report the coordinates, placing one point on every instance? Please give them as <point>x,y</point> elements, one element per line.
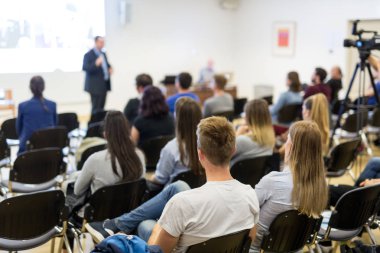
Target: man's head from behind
<point>99,42</point>
<point>220,82</point>
<point>184,80</point>
<point>142,81</point>
<point>216,142</point>
<point>319,76</point>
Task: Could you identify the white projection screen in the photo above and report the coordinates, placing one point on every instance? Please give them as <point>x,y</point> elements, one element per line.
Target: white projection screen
<point>47,35</point>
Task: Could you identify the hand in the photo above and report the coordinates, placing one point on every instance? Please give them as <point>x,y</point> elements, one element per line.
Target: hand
<point>99,61</point>
<point>369,182</point>
<point>243,129</point>
<point>110,71</point>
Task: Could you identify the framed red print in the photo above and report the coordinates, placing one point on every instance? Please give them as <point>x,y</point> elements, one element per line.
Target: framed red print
<point>284,34</point>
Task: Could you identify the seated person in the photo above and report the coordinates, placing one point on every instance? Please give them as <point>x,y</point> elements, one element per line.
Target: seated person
<point>196,215</point>
<point>36,113</point>
<point>292,96</point>
<point>370,92</point>
<point>183,84</point>
<point>221,101</point>
<point>154,118</point>
<point>180,154</point>
<point>121,161</point>
<point>131,110</point>
<point>256,138</point>
<point>301,185</point>
<point>318,85</point>
<point>335,83</point>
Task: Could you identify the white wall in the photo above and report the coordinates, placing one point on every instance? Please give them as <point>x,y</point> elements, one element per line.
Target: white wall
<point>164,37</point>
<point>321,26</point>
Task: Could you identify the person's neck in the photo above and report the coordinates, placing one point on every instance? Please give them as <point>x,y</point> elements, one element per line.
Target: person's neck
<point>180,90</point>
<point>218,173</point>
<point>218,92</point>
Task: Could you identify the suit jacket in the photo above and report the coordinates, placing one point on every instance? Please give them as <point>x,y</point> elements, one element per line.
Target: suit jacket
<point>33,115</point>
<point>94,81</point>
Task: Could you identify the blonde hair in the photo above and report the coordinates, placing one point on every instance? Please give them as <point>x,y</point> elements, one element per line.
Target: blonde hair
<point>216,139</point>
<point>305,159</point>
<point>260,122</point>
<point>319,113</point>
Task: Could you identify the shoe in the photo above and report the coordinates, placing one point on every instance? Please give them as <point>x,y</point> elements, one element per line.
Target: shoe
<point>101,230</point>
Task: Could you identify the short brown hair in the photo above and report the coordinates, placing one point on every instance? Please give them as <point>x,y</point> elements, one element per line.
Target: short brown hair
<point>220,81</point>
<point>216,139</point>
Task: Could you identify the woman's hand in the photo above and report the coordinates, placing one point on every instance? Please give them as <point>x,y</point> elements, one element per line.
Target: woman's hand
<point>243,129</point>
<point>369,182</point>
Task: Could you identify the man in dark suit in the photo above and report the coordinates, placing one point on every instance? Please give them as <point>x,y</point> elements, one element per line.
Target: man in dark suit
<point>98,72</point>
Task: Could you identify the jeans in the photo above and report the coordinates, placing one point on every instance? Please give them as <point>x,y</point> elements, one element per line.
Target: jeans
<point>145,216</point>
<point>371,170</point>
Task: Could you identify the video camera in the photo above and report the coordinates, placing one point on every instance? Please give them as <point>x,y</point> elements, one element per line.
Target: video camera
<point>363,44</point>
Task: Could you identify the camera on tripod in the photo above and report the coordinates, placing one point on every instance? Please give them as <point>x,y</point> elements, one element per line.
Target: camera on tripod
<point>363,44</point>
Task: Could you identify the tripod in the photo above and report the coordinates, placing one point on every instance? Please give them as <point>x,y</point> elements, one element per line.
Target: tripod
<point>360,105</point>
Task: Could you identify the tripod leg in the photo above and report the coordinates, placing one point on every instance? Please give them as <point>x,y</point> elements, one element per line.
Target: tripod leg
<point>373,84</point>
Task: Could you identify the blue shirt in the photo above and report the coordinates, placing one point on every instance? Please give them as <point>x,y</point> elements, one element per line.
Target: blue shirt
<point>33,115</point>
<point>104,64</point>
<point>372,100</point>
<point>286,98</point>
<point>172,99</point>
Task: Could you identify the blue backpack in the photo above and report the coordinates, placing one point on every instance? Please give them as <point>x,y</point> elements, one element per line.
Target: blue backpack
<point>125,244</point>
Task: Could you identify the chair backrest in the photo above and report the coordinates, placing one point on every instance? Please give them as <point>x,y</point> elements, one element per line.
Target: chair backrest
<point>343,155</point>
<point>95,130</point>
<point>29,216</point>
<point>290,113</point>
<point>9,129</point>
<point>97,117</point>
<point>152,149</point>
<point>114,200</point>
<point>233,243</point>
<point>5,151</point>
<point>338,107</point>
<point>354,208</point>
<point>250,171</point>
<point>239,104</point>
<point>290,231</point>
<point>269,99</point>
<point>88,152</point>
<point>375,121</point>
<point>356,121</point>
<point>37,166</point>
<point>191,179</point>
<point>227,114</point>
<point>69,120</point>
<point>52,137</point>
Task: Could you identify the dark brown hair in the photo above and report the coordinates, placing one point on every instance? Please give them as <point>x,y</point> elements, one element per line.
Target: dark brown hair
<point>37,87</point>
<point>220,81</point>
<point>121,147</point>
<point>144,80</point>
<point>153,103</point>
<point>295,84</point>
<point>188,114</point>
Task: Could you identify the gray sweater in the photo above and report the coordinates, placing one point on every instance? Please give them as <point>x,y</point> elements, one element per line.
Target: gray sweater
<point>97,172</point>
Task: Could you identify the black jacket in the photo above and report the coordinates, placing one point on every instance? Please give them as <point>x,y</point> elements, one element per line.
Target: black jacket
<point>94,81</point>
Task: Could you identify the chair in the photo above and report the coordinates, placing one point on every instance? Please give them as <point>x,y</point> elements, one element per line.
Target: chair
<point>238,242</point>
<point>269,99</point>
<point>112,201</point>
<point>5,151</point>
<point>152,149</point>
<point>239,104</point>
<point>97,117</point>
<point>35,170</point>
<point>341,158</point>
<point>227,114</point>
<point>30,220</point>
<point>250,171</point>
<point>95,130</point>
<point>10,132</point>
<point>191,179</point>
<point>290,231</point>
<point>69,120</point>
<point>52,137</point>
<point>354,211</point>
<point>88,152</point>
<point>289,113</point>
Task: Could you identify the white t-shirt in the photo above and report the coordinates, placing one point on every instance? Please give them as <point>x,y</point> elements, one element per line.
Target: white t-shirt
<point>213,210</point>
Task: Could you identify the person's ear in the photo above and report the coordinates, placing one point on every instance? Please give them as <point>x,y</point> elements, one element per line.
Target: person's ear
<point>201,156</point>
<point>234,150</point>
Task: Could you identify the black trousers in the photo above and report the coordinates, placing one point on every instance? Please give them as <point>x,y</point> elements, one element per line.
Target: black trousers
<point>97,102</point>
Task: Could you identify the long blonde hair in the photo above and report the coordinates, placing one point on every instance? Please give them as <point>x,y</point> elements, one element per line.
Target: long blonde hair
<point>319,113</point>
<point>260,122</point>
<point>310,193</point>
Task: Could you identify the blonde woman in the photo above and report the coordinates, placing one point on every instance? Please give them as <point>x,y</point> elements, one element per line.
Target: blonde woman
<point>316,108</point>
<point>256,138</point>
<point>301,185</point>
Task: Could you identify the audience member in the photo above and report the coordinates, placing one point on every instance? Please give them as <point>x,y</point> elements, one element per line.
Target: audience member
<point>183,84</point>
<point>291,96</point>
<point>196,215</point>
<point>318,85</point>
<point>121,161</point>
<point>221,101</point>
<point>180,154</point>
<point>375,64</point>
<point>256,138</point>
<point>36,113</point>
<point>301,185</point>
<point>131,110</point>
<point>335,83</point>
